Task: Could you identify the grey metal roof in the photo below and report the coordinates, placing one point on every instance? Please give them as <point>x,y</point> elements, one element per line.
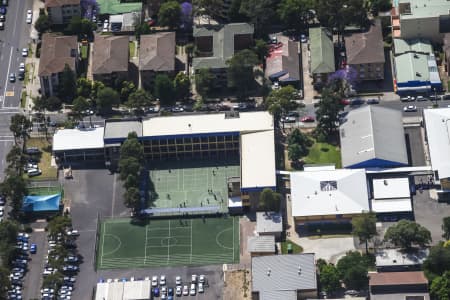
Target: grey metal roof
<point>223,43</point>
<point>277,295</point>
<point>290,272</point>
<point>287,61</point>
<point>395,257</point>
<point>264,243</point>
<point>269,222</point>
<point>117,129</point>
<point>373,132</point>
<point>322,51</point>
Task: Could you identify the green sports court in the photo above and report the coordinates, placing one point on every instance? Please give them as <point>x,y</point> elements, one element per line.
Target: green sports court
<point>194,184</point>
<point>174,242</point>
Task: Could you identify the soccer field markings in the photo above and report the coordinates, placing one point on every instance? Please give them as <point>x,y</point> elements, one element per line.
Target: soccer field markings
<point>220,234</point>
<point>117,247</point>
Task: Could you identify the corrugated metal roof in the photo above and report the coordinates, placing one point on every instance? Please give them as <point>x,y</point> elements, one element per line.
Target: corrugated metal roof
<point>322,51</point>
<point>413,45</point>
<point>73,139</point>
<point>278,295</point>
<point>269,222</point>
<point>118,129</point>
<point>289,272</point>
<point>265,243</point>
<point>373,132</point>
<point>425,8</point>
<point>396,257</point>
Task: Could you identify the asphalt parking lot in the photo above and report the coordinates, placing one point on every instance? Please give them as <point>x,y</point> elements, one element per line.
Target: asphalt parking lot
<point>415,146</point>
<point>96,191</point>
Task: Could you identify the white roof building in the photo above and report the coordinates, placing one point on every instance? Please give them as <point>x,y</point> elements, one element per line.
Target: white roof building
<point>391,195</point>
<point>328,193</point>
<point>76,139</point>
<point>136,290</point>
<point>437,125</point>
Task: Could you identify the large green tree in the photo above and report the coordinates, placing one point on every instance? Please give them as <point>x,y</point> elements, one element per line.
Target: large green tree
<point>446,228</point>
<point>280,102</point>
<point>298,144</point>
<point>295,14</point>
<point>329,278</point>
<point>80,104</point>
<point>261,13</point>
<point>437,262</point>
<point>16,159</point>
<point>364,227</point>
<point>81,27</point>
<point>182,85</point>
<point>270,200</point>
<point>353,270</point>
<point>377,6</point>
<point>67,85</point>
<point>106,99</point>
<point>204,82</point>
<point>207,7</point>
<point>138,100</point>
<point>440,287</point>
<point>19,127</point>
<point>327,114</point>
<point>42,24</point>
<point>4,282</point>
<point>261,49</point>
<point>84,87</point>
<point>170,14</point>
<point>240,71</point>
<point>406,234</point>
<point>163,90</point>
<point>132,197</point>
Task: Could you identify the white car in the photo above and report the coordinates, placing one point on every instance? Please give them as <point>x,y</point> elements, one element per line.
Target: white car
<point>29,16</point>
<point>154,281</point>
<point>201,288</point>
<point>105,26</point>
<point>178,290</point>
<point>410,108</point>
<point>162,280</point>
<point>25,52</point>
<point>194,278</point>
<point>178,280</point>
<point>193,290</point>
<point>185,290</point>
<point>163,292</point>
<point>202,279</point>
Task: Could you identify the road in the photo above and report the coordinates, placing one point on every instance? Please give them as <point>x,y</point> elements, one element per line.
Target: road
<point>12,40</point>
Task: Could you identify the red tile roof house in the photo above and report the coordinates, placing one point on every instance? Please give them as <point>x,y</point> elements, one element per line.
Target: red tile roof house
<point>398,285</point>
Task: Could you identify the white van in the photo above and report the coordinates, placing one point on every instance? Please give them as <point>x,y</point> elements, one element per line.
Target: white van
<point>34,172</point>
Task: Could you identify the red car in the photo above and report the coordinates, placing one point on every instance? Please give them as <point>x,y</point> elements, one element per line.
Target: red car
<point>308,119</point>
<point>345,101</point>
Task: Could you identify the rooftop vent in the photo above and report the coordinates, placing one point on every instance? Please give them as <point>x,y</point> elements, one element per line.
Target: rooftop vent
<point>418,74</point>
<point>231,115</point>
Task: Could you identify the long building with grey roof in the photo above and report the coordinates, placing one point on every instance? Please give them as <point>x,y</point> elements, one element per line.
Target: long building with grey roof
<point>287,277</point>
<point>373,137</point>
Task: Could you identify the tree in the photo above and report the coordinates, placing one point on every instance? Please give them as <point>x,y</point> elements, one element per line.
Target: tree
<point>182,85</point>
<point>80,104</point>
<point>42,24</point>
<point>440,287</point>
<point>4,282</point>
<point>207,7</point>
<point>67,84</point>
<point>407,233</point>
<point>329,278</point>
<point>270,200</point>
<point>19,127</point>
<point>138,100</point>
<point>132,148</point>
<point>129,166</point>
<point>446,228</point>
<point>261,13</point>
<point>163,90</point>
<point>295,13</point>
<point>240,71</point>
<point>84,87</point>
<point>127,89</point>
<point>106,99</point>
<point>16,160</point>
<point>280,102</point>
<point>364,227</point>
<point>132,197</point>
<point>81,27</point>
<point>169,14</point>
<point>295,152</point>
<point>437,262</point>
<point>380,6</point>
<point>53,103</point>
<point>298,137</point>
<point>261,49</point>
<point>352,269</point>
<point>59,225</point>
<point>204,82</point>
<point>130,181</point>
<point>327,114</point>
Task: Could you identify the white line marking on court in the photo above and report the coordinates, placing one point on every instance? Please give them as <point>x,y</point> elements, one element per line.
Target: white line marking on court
<point>168,245</point>
<point>145,247</point>
<point>113,195</point>
<point>183,179</point>
<point>103,242</point>
<point>190,260</point>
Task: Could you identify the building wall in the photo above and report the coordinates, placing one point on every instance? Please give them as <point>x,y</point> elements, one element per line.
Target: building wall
<point>312,294</point>
<point>49,84</point>
<point>374,71</point>
<point>81,155</point>
<point>427,28</point>
<point>63,14</point>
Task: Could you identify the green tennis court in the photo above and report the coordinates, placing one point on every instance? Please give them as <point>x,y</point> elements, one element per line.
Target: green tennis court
<point>192,184</point>
<point>176,242</point>
<point>115,7</point>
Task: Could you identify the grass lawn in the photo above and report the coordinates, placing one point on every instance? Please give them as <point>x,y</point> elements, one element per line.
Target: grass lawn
<point>132,47</point>
<point>295,248</point>
<point>48,172</point>
<point>84,52</point>
<point>323,153</point>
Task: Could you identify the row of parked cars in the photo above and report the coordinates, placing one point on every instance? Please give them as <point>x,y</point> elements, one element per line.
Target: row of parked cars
<point>19,265</point>
<point>68,265</point>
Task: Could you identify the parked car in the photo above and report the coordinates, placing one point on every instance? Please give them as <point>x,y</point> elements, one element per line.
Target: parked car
<point>357,101</point>
<point>25,52</point>
<point>2,18</point>
<point>12,77</point>
<point>29,16</point>
<point>178,290</point>
<point>407,99</point>
<point>32,150</point>
<point>34,172</point>
<point>2,25</point>
<point>372,101</point>
<point>193,289</point>
<point>154,281</point>
<point>178,280</point>
<point>33,248</point>
<point>185,290</point>
<point>307,119</point>
<point>201,288</point>
<point>162,280</point>
<point>3,10</point>
<point>410,108</point>
<point>289,119</point>
<point>421,98</point>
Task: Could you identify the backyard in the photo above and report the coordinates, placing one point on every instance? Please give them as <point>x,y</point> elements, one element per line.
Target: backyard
<point>323,153</point>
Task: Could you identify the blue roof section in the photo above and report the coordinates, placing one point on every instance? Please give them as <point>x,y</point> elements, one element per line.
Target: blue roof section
<point>41,203</point>
<point>376,163</point>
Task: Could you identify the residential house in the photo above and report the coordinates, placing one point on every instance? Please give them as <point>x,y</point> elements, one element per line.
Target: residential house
<point>269,223</point>
<point>321,50</point>
<point>216,44</point>
<point>261,245</point>
<point>287,277</point>
<point>398,285</point>
<point>324,195</point>
<point>57,52</point>
<point>62,11</point>
<point>415,67</point>
<point>422,19</point>
<point>156,56</point>
<point>283,62</point>
<point>396,260</point>
<point>110,58</point>
<point>365,53</point>
<point>365,142</point>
